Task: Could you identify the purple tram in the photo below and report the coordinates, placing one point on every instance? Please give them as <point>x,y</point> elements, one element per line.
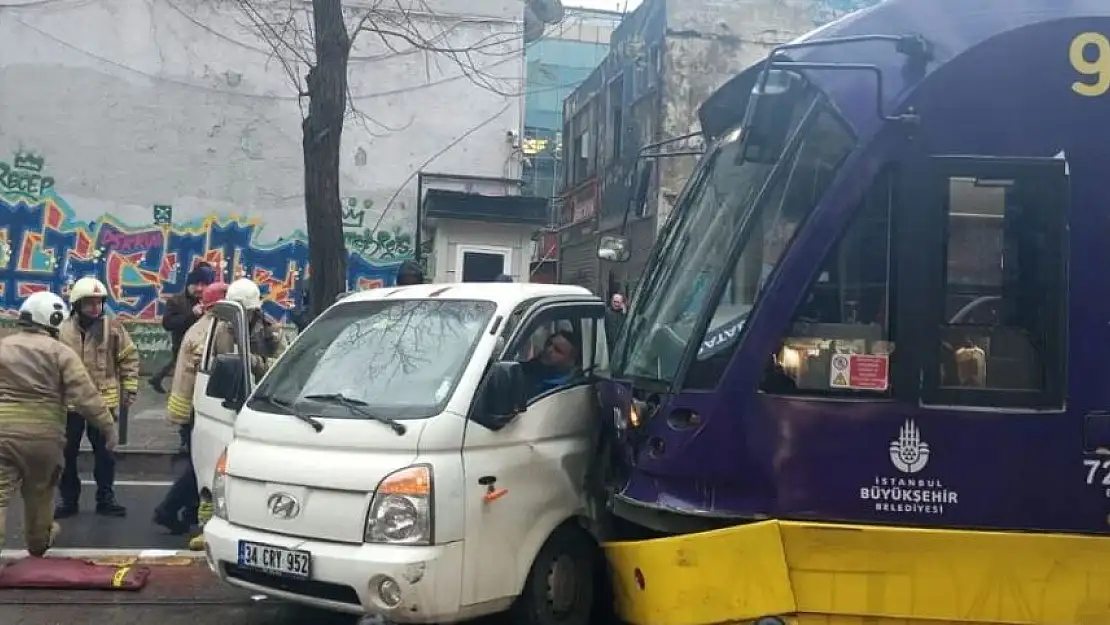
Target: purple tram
<point>862,375</point>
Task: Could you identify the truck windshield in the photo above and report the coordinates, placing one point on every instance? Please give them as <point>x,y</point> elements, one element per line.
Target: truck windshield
<point>763,202</point>
<point>393,358</point>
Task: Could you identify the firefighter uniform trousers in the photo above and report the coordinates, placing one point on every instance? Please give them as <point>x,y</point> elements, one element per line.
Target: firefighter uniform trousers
<point>30,465</point>
<point>39,377</point>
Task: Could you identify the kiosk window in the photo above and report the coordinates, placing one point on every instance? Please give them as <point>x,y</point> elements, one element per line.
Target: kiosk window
<point>839,339</point>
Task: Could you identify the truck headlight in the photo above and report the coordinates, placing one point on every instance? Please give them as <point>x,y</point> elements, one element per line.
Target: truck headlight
<point>219,488</point>
<point>401,510</point>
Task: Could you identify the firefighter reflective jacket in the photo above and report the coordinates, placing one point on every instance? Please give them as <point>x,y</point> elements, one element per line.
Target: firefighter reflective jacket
<point>268,343</point>
<point>179,408</point>
<point>108,354</point>
<point>40,377</point>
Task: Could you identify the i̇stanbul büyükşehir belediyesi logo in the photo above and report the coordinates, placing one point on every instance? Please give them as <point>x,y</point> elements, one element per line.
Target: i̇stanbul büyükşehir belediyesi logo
<point>908,452</point>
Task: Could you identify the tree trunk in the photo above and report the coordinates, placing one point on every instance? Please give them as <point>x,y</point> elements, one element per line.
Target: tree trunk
<point>323,128</point>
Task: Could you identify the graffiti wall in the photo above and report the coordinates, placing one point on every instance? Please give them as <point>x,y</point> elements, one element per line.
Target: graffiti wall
<point>44,245</point>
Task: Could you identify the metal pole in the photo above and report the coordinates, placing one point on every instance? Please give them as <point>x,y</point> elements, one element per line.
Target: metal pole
<point>123,415</point>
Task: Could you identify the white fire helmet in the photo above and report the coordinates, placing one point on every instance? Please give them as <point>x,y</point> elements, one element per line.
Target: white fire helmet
<point>44,309</point>
<point>87,287</point>
<point>246,293</point>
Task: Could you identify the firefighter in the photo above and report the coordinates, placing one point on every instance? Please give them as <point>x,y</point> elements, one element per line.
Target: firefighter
<point>178,510</point>
<point>40,378</point>
<point>267,343</point>
<point>112,361</point>
<point>267,338</point>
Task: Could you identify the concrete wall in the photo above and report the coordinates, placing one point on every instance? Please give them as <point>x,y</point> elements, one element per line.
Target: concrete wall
<point>709,41</point>
<point>137,138</point>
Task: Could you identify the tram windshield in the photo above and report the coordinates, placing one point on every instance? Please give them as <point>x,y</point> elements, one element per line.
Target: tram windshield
<point>731,201</point>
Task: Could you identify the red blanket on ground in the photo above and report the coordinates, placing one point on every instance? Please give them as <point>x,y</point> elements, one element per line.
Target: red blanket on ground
<point>66,573</point>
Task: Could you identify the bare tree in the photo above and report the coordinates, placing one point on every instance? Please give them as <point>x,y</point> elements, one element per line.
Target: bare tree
<point>318,36</point>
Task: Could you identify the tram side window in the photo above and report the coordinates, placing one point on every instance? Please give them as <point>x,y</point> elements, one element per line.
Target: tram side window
<point>839,340</point>
<point>1000,263</point>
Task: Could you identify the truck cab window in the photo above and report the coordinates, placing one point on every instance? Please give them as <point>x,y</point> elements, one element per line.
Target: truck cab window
<point>839,338</point>
<point>551,350</point>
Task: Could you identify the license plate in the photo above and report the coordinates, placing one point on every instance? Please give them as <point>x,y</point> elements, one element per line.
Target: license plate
<point>275,560</point>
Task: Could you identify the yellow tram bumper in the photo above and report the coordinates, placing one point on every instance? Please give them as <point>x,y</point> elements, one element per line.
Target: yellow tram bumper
<point>829,574</point>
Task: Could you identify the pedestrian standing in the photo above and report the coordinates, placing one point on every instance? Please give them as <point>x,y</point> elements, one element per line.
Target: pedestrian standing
<point>410,273</point>
<point>40,380</point>
<point>110,357</point>
<point>179,509</point>
<point>182,311</point>
<point>615,316</point>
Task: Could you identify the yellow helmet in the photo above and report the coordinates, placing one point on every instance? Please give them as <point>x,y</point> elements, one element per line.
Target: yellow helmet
<point>87,287</point>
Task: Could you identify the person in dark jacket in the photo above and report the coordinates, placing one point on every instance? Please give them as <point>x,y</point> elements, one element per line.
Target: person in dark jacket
<point>182,311</point>
<point>615,316</point>
<point>303,316</point>
<point>410,273</point>
<point>554,366</point>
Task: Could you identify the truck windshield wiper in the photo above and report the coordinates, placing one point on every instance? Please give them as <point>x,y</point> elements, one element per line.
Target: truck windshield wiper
<point>288,406</point>
<point>359,407</point>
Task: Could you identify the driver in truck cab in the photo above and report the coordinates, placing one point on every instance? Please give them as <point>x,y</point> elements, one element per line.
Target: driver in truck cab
<point>554,366</point>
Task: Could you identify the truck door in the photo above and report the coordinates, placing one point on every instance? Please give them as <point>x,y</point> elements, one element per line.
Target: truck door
<point>537,462</point>
<point>213,418</point>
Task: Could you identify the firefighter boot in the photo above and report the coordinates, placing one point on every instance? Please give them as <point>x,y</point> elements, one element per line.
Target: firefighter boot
<point>204,513</point>
<point>40,550</point>
<point>66,509</point>
<point>108,506</point>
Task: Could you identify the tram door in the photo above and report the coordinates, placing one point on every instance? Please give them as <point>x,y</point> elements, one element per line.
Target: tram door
<point>992,291</point>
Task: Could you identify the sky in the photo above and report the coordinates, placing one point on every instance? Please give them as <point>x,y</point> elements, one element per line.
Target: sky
<point>612,5</point>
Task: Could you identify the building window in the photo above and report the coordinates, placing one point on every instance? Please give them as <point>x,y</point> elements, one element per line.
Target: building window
<point>616,118</point>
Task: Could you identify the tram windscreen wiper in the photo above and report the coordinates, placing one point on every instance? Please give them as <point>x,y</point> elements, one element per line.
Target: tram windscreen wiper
<point>359,407</point>
<point>287,405</point>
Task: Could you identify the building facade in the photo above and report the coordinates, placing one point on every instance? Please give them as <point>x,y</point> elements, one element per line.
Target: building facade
<point>665,59</point>
<point>557,63</point>
<point>137,138</point>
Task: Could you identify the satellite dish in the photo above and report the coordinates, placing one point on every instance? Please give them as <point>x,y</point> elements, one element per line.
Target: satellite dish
<point>548,11</point>
<point>533,26</point>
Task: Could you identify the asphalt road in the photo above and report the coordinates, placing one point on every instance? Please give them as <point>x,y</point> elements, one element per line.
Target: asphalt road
<point>89,530</point>
<point>176,595</point>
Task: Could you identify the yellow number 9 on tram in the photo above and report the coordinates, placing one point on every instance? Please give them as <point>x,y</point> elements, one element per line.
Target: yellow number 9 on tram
<point>1090,56</point>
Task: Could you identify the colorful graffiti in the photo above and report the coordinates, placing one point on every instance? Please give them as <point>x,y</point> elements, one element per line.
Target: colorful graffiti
<point>362,238</point>
<point>43,245</point>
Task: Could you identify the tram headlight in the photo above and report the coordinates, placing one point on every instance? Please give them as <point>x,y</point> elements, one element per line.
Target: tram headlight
<point>623,421</point>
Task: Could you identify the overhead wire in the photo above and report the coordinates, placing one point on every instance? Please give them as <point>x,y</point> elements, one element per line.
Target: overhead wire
<point>467,70</point>
<point>240,94</point>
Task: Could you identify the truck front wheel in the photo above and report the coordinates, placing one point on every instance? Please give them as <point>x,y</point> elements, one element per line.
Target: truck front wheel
<point>560,586</point>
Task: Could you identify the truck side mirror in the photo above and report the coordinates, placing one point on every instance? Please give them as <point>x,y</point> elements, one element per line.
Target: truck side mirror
<point>506,393</point>
<point>227,381</point>
<point>614,248</point>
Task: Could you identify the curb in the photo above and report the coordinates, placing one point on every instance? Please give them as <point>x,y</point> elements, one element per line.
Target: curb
<point>166,557</point>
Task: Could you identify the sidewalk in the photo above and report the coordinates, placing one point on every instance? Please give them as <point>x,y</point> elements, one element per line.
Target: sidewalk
<point>151,440</point>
